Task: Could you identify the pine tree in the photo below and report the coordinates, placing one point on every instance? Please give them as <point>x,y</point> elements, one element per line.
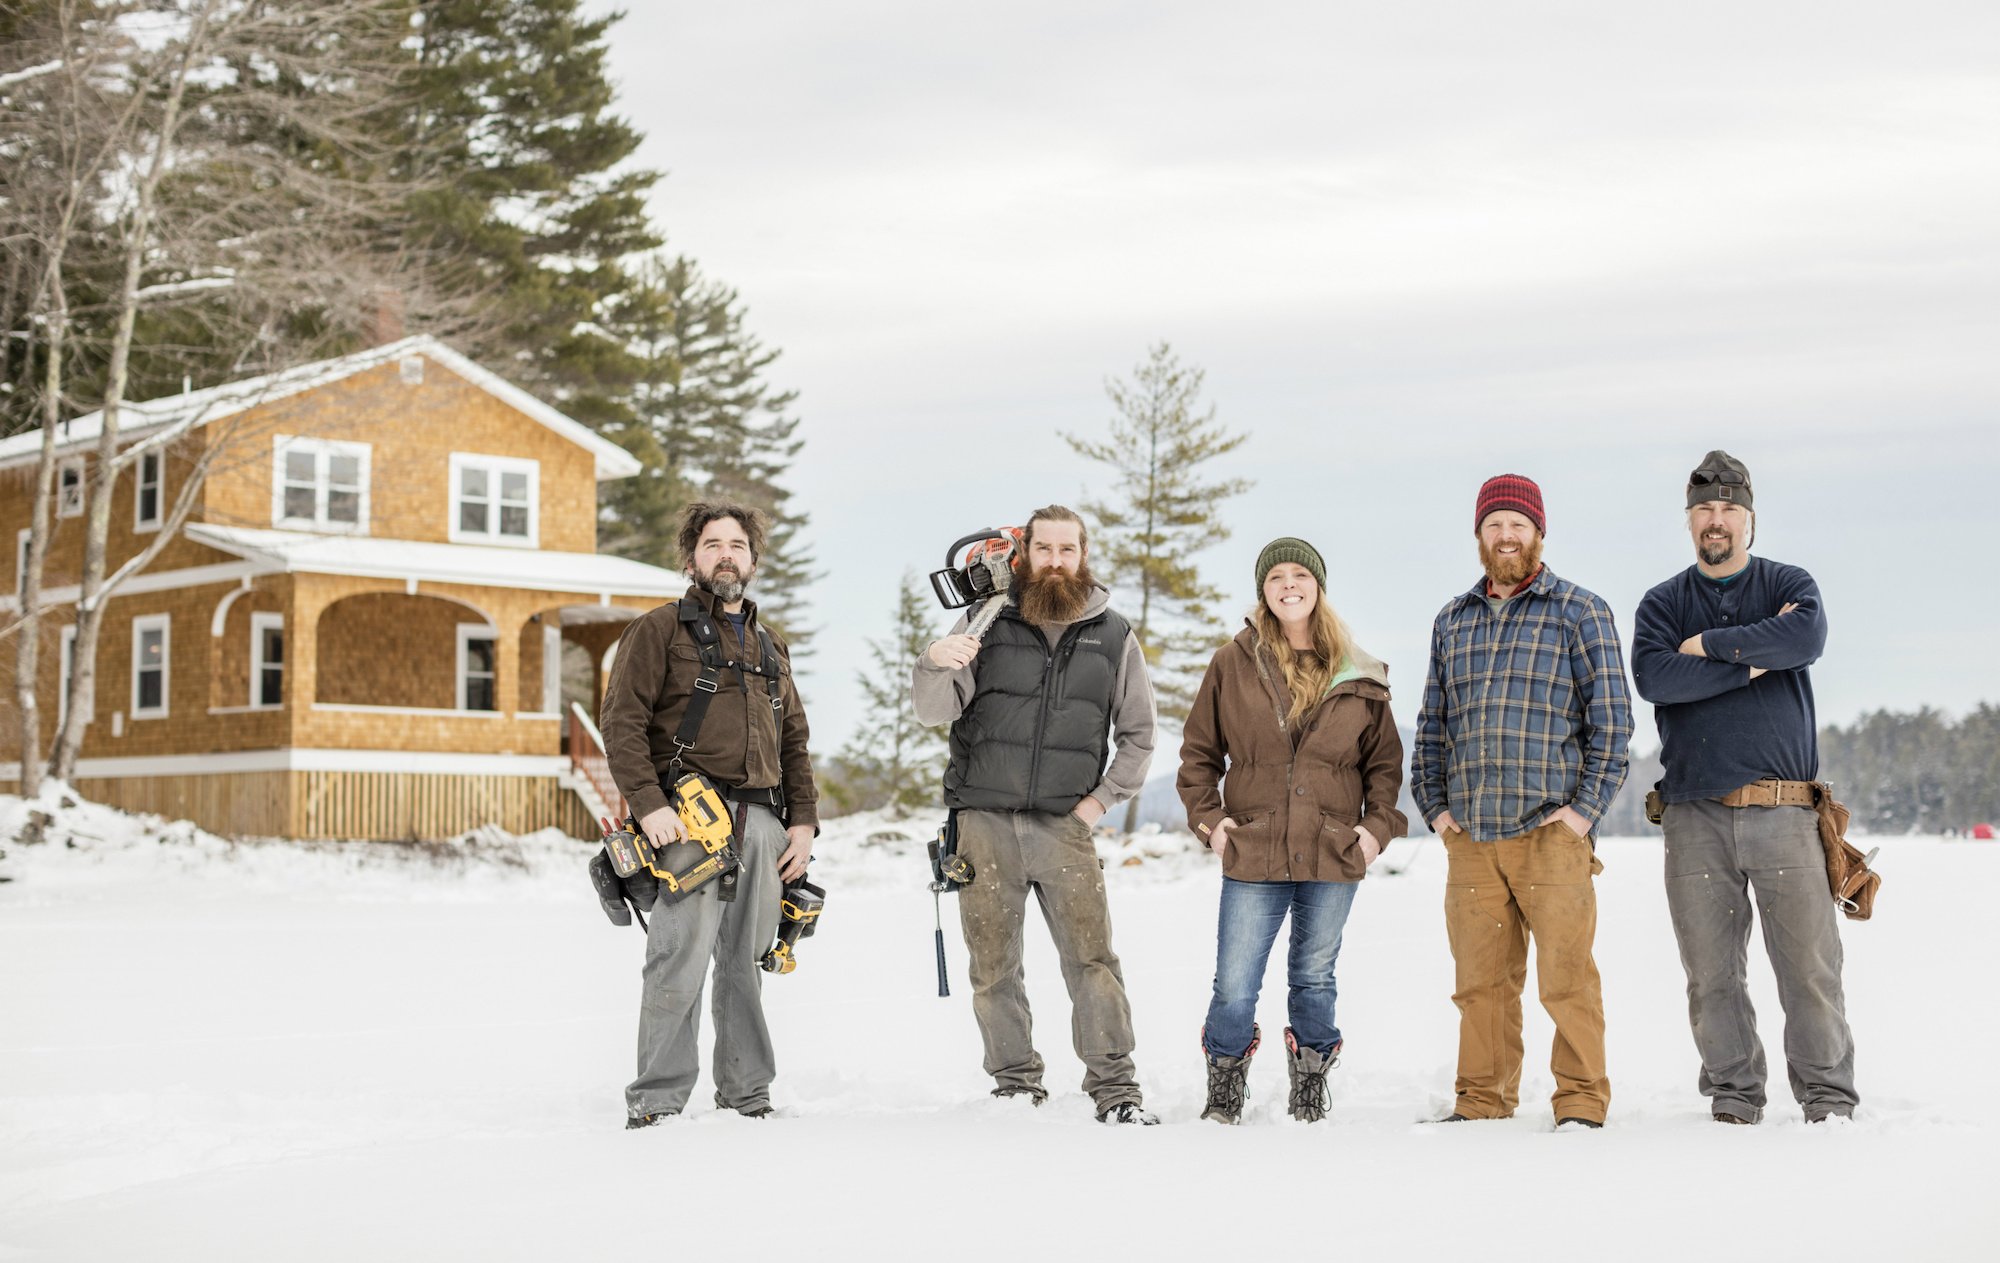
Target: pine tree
<point>705,421</point>
<point>1165,512</point>
<point>892,760</point>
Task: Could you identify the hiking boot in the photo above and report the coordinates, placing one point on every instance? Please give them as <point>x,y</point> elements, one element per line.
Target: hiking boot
<point>1129,1112</point>
<point>1229,1080</point>
<point>634,1122</point>
<point>748,1111</point>
<point>1453,1117</point>
<point>1578,1124</point>
<point>1307,1066</point>
<point>1228,1088</point>
<point>1035,1095</point>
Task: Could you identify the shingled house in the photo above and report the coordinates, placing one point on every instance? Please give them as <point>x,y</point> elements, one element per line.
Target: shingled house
<point>361,630</point>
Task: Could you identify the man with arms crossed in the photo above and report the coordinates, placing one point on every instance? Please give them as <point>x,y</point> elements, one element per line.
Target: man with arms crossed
<point>1722,651</point>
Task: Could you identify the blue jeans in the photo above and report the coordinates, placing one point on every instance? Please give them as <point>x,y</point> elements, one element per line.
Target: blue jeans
<point>1251,914</point>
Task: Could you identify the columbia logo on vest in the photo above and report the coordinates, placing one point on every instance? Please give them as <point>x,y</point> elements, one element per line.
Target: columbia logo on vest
<point>1085,640</point>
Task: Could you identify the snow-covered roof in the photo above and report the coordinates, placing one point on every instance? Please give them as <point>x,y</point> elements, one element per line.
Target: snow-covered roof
<point>596,574</point>
<point>203,406</point>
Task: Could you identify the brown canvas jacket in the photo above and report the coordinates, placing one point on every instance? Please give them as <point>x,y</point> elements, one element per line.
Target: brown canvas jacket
<point>741,745</point>
<point>1295,796</point>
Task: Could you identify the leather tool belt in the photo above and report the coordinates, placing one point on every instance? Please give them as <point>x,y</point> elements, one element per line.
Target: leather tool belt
<point>1772,792</point>
<point>1848,873</point>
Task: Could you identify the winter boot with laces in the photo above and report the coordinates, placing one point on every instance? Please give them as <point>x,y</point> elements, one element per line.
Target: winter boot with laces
<point>1229,1081</point>
<point>1310,1098</point>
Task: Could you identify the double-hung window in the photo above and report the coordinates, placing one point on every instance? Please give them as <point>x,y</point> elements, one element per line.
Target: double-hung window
<point>320,485</point>
<point>146,492</point>
<point>151,665</point>
<point>478,662</point>
<point>267,660</point>
<point>494,500</point>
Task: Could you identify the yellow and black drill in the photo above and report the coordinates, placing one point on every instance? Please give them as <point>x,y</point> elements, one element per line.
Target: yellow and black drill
<point>798,916</point>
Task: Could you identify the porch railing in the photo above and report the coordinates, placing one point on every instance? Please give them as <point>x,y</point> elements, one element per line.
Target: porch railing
<point>587,760</point>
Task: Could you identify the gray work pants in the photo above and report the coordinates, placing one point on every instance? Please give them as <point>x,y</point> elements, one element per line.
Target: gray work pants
<point>1719,861</point>
<point>683,935</point>
<point>1013,853</point>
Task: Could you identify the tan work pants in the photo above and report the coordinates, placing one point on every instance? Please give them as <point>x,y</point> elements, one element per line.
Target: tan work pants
<point>1497,895</point>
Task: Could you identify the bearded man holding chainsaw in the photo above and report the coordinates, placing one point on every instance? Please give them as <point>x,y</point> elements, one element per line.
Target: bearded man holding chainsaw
<point>738,721</point>
<point>1055,688</point>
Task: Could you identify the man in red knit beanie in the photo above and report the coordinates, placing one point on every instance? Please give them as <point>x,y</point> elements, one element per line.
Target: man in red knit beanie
<point>1520,749</point>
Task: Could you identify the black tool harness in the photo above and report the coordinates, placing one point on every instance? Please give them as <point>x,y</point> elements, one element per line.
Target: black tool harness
<point>700,625</point>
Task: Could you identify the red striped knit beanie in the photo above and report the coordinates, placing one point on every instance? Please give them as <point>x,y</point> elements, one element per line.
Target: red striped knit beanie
<point>1511,491</point>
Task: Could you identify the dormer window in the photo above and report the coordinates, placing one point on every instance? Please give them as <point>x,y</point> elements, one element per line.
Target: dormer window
<point>320,485</point>
<point>69,488</point>
<point>494,500</point>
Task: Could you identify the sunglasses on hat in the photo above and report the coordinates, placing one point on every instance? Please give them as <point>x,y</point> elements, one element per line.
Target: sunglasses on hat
<point>1710,477</point>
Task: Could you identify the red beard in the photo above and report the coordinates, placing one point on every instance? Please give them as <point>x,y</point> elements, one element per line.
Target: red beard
<point>1056,596</point>
<point>1508,572</point>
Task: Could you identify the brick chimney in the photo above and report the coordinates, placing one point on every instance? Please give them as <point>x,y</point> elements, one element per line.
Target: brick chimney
<point>385,317</point>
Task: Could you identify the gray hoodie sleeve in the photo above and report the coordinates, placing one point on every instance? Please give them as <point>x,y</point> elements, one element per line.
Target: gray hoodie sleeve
<point>1133,725</point>
<point>938,695</point>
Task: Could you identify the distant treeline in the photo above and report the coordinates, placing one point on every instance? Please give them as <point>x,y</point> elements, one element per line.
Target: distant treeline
<point>1898,773</point>
<point>1921,772</point>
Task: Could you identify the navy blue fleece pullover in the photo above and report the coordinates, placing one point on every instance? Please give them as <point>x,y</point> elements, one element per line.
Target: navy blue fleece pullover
<point>1720,729</point>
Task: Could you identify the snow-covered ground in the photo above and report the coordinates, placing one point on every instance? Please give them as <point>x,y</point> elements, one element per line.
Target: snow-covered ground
<point>214,1051</point>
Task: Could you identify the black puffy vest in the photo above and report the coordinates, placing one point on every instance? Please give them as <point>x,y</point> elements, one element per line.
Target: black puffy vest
<point>1038,730</point>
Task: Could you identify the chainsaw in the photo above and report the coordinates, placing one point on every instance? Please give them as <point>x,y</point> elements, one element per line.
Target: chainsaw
<point>978,567</point>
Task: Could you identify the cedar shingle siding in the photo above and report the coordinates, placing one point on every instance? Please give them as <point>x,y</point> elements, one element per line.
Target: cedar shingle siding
<point>348,641</point>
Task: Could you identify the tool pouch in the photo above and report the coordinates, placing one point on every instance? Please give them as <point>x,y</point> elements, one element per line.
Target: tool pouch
<point>1853,883</point>
<point>1656,807</point>
<point>949,870</point>
<point>610,891</point>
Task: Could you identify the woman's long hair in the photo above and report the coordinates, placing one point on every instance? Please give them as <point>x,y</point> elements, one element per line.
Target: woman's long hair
<point>1306,671</point>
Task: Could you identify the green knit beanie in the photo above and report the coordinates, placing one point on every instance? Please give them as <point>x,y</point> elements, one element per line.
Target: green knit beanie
<point>1297,551</point>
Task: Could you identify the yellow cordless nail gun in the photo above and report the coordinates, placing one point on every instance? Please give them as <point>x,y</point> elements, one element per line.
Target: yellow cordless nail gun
<point>681,867</point>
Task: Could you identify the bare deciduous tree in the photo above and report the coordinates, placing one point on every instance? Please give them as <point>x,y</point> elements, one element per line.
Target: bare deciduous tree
<point>217,169</point>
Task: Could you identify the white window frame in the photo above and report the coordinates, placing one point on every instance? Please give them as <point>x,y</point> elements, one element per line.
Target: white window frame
<point>259,623</point>
<point>65,506</point>
<point>494,467</point>
<point>164,624</point>
<point>321,450</point>
<point>21,539</point>
<point>142,525</point>
<point>468,632</point>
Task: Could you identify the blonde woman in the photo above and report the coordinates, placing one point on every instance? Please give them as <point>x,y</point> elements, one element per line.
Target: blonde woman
<point>1297,717</point>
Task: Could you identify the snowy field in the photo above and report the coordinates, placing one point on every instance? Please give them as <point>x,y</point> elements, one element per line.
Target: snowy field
<point>279,1051</point>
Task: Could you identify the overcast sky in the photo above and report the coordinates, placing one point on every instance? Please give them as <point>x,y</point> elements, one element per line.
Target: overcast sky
<point>1413,245</point>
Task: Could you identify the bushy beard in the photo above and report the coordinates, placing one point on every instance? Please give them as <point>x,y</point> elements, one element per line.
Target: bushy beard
<point>1508,572</point>
<point>723,583</point>
<point>1056,596</point>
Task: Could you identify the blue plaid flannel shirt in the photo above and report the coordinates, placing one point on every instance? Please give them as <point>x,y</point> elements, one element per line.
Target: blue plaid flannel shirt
<point>1525,710</point>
